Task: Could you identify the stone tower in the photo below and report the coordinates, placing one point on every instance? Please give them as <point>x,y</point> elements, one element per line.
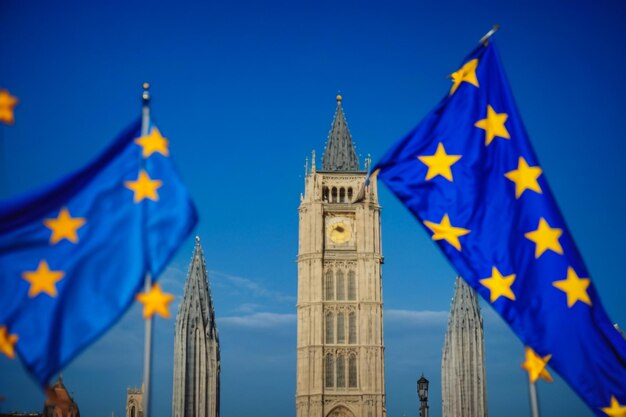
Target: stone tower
<point>463,386</point>
<point>196,347</point>
<point>340,368</point>
<point>134,402</point>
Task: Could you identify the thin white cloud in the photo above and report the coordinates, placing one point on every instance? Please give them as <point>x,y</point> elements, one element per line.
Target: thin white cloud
<point>251,286</point>
<point>248,308</point>
<point>415,317</point>
<point>258,320</point>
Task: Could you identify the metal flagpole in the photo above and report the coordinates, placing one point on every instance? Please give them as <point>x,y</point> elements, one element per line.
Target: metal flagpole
<point>147,353</point>
<point>489,34</point>
<point>534,404</point>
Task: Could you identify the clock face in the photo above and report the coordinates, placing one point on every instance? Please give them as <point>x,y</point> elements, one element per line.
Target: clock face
<point>340,232</point>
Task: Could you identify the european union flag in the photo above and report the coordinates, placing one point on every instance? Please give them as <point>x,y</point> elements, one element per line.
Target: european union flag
<point>471,177</point>
<point>74,255</point>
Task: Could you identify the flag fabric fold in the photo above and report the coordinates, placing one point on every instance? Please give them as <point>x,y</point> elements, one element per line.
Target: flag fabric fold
<point>74,254</point>
<point>469,174</point>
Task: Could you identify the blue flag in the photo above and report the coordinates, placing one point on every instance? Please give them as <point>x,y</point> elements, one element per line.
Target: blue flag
<point>74,255</point>
<point>470,176</point>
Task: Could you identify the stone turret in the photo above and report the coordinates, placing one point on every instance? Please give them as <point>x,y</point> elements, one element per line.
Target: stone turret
<point>463,385</point>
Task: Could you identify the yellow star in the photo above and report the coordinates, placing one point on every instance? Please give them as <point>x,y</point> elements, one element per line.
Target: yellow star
<point>7,103</point>
<point>493,125</point>
<point>616,409</point>
<point>144,187</point>
<point>545,238</point>
<point>64,227</point>
<point>152,143</point>
<point>575,287</point>
<point>7,342</point>
<point>440,163</point>
<point>467,73</point>
<point>536,366</point>
<point>446,231</point>
<point>524,177</point>
<point>498,285</point>
<point>155,301</point>
<point>43,280</point>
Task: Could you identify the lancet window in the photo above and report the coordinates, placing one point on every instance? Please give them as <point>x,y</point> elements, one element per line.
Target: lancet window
<point>352,328</point>
<point>330,286</point>
<point>341,328</point>
<point>330,371</point>
<point>351,285</point>
<point>338,286</point>
<point>330,328</point>
<point>341,371</point>
<point>341,286</point>
<point>352,383</point>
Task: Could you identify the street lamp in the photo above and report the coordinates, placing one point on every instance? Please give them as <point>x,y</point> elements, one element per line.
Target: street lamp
<point>422,393</point>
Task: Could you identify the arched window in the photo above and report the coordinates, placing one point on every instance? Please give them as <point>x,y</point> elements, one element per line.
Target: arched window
<point>330,371</point>
<point>341,328</point>
<point>334,195</point>
<point>341,286</point>
<point>351,285</point>
<point>325,194</point>
<point>342,195</point>
<point>132,411</point>
<point>330,328</point>
<point>352,328</point>
<point>330,287</point>
<point>350,195</point>
<point>352,372</point>
<point>341,371</point>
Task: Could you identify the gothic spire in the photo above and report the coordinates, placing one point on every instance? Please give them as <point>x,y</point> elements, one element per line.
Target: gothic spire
<point>464,304</point>
<point>197,296</point>
<point>196,347</point>
<point>463,386</point>
<point>339,153</point>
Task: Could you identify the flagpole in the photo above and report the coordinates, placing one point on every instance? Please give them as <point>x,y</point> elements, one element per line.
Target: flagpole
<point>534,404</point>
<point>147,353</point>
<point>489,34</point>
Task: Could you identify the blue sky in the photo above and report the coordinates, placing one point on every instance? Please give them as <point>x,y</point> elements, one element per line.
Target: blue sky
<point>245,90</point>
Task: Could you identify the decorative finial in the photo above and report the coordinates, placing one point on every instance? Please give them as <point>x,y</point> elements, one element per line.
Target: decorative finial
<point>146,93</point>
<point>339,98</point>
<point>197,239</point>
<point>313,168</point>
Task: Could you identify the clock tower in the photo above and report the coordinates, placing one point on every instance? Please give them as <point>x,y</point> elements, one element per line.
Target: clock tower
<point>340,369</point>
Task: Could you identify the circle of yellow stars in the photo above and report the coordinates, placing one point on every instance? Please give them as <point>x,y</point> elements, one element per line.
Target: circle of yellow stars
<point>65,227</point>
